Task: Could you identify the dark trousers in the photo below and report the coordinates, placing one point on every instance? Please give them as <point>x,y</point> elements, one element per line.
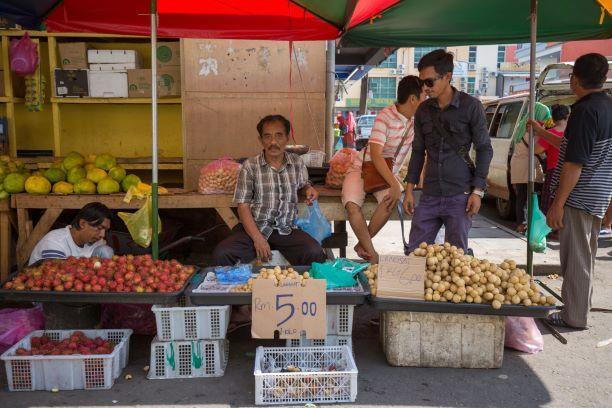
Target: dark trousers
<point>520,203</point>
<point>298,247</point>
<point>432,212</point>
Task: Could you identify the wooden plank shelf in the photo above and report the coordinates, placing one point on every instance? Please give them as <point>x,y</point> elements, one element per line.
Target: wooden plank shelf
<point>115,100</point>
<point>140,163</point>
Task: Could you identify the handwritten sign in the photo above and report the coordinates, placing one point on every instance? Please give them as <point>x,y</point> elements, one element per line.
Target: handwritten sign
<point>289,309</point>
<point>401,277</point>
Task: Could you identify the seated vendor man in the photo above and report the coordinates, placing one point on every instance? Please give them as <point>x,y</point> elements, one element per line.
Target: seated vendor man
<point>267,197</point>
<point>84,238</point>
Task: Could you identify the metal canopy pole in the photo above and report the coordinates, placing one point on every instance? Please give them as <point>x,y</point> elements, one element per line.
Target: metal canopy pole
<point>155,216</point>
<point>330,97</point>
<point>532,101</point>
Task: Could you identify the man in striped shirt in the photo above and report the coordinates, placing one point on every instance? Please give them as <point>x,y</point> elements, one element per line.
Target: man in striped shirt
<point>583,183</point>
<point>84,238</point>
<point>267,196</point>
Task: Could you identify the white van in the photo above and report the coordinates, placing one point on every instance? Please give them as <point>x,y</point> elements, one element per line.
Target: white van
<point>503,116</point>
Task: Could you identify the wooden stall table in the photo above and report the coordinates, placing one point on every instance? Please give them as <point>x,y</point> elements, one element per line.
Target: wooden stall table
<point>6,219</point>
<point>53,205</point>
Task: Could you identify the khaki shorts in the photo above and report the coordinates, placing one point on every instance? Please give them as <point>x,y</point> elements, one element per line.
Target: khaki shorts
<point>352,190</point>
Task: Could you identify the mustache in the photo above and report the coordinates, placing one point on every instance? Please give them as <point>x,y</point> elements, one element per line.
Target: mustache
<point>273,148</point>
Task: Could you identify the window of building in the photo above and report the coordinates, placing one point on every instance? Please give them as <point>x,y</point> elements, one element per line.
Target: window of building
<point>471,85</point>
<point>390,62</point>
<point>501,55</point>
<point>383,87</point>
<point>419,52</point>
<point>472,55</point>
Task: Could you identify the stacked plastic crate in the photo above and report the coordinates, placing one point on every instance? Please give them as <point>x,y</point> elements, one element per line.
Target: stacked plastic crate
<point>339,329</point>
<point>190,342</point>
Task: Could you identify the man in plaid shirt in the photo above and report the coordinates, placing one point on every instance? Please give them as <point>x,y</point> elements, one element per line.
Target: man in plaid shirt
<point>267,197</point>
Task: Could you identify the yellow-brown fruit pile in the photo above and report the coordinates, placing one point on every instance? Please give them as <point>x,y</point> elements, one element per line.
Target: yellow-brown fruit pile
<point>276,275</point>
<point>455,277</point>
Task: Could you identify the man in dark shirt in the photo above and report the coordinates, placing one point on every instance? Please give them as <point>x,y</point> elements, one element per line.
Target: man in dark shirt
<point>583,183</point>
<point>446,126</point>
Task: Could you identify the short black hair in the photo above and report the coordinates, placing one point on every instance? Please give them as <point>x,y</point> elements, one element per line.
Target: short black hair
<point>274,118</point>
<point>93,213</point>
<point>591,70</point>
<point>409,85</point>
<point>559,112</point>
<point>441,60</point>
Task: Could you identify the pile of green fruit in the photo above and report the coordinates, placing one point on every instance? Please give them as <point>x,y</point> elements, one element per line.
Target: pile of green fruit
<point>12,176</point>
<point>74,174</point>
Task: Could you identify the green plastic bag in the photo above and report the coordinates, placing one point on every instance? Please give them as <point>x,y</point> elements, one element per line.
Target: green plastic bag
<point>140,223</point>
<point>538,229</point>
<point>350,266</point>
<point>335,277</point>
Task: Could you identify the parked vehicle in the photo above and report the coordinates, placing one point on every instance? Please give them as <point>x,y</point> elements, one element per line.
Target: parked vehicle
<point>503,116</point>
<point>364,129</point>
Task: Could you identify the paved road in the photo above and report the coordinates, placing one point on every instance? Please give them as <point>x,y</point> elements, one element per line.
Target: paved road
<point>574,375</point>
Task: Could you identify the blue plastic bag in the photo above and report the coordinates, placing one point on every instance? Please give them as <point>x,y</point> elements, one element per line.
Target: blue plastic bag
<point>538,229</point>
<point>313,222</point>
<point>233,275</point>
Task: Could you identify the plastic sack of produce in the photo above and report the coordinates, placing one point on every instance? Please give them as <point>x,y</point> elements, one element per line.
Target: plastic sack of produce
<point>334,276</point>
<point>137,317</point>
<point>23,56</point>
<point>219,177</point>
<point>234,275</point>
<point>140,224</point>
<point>538,229</point>
<point>339,165</point>
<point>522,334</point>
<point>313,222</point>
<point>15,324</point>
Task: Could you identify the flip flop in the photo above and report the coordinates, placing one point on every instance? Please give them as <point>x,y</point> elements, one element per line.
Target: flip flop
<point>556,320</point>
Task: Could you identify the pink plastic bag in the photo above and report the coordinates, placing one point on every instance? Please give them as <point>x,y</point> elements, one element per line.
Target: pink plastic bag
<point>522,334</point>
<point>219,177</point>
<point>339,165</point>
<point>23,56</point>
<point>15,324</point>
<point>137,317</point>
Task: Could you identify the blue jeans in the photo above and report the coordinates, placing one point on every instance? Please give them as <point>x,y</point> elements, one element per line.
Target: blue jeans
<point>434,211</point>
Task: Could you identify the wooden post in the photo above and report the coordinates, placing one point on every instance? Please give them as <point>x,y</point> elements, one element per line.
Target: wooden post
<point>10,104</point>
<point>5,240</point>
<point>42,227</point>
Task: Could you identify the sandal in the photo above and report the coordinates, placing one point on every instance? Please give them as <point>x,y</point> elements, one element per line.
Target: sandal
<point>556,320</point>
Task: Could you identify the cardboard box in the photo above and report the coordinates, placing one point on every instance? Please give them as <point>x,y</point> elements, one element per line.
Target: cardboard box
<point>169,54</point>
<point>169,81</point>
<point>71,83</point>
<point>113,56</point>
<point>108,84</point>
<point>73,55</point>
<point>114,67</point>
<point>139,83</point>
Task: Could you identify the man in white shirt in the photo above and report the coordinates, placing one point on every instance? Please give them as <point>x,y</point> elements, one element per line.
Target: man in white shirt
<point>84,238</point>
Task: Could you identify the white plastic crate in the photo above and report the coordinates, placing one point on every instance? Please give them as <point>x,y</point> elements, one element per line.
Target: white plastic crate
<point>328,375</point>
<point>75,372</point>
<point>313,158</point>
<point>330,340</point>
<point>191,323</point>
<point>340,320</point>
<point>188,359</point>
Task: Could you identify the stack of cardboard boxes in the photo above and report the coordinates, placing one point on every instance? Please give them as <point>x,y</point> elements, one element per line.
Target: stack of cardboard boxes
<point>168,74</point>
<point>116,73</point>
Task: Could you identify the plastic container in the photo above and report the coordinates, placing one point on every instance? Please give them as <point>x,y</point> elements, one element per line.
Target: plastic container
<point>191,323</point>
<point>188,359</point>
<point>328,375</point>
<point>340,320</point>
<point>75,372</point>
<point>329,340</point>
<point>313,158</point>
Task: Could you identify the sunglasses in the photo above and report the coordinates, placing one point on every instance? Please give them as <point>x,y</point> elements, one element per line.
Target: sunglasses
<point>429,82</point>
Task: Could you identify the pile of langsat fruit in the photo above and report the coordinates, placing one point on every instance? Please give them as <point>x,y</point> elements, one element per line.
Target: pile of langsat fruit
<point>276,275</point>
<point>453,276</point>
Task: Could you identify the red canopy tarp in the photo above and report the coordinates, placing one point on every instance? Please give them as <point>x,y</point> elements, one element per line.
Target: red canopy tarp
<point>236,19</point>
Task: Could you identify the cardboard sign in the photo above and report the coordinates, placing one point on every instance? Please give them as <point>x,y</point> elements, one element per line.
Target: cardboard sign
<point>289,308</point>
<point>401,277</point>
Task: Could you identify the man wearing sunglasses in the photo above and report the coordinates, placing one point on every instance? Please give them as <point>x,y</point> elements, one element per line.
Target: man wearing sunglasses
<point>447,126</point>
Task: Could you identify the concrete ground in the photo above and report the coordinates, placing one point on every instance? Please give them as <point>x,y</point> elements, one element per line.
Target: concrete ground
<point>577,374</point>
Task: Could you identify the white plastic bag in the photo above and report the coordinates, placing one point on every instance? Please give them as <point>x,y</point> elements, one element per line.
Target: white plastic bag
<point>522,334</point>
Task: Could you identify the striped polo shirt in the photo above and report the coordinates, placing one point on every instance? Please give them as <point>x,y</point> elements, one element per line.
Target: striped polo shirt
<point>588,141</point>
<point>388,130</point>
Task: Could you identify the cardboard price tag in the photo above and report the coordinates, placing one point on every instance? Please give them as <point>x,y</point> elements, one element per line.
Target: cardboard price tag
<point>289,308</point>
<point>401,277</point>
